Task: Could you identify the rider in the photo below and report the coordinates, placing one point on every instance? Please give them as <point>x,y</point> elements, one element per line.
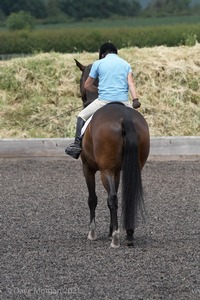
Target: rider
<point>115,80</point>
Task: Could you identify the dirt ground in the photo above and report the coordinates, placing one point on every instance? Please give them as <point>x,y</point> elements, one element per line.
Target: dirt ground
<point>45,253</point>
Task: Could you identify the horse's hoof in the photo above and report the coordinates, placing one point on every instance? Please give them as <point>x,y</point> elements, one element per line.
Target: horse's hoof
<point>130,244</point>
<point>130,241</point>
<point>92,236</point>
<point>114,246</point>
<point>115,240</point>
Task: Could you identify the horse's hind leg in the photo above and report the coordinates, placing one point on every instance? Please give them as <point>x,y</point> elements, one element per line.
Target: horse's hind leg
<point>111,184</point>
<point>129,237</point>
<point>92,199</point>
<point>110,201</point>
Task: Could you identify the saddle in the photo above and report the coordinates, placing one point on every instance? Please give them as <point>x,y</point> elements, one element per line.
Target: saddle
<point>85,126</point>
<point>90,118</point>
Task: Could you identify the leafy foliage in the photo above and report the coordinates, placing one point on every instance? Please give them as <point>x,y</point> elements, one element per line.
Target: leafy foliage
<point>99,9</point>
<point>78,9</point>
<point>35,8</point>
<point>89,39</point>
<point>82,9</point>
<point>168,7</point>
<point>20,20</point>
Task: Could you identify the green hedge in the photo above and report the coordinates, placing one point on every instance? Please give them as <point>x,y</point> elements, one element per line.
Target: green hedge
<point>78,40</point>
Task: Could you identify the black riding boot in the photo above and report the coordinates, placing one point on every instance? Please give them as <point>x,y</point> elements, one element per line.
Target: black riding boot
<point>74,149</point>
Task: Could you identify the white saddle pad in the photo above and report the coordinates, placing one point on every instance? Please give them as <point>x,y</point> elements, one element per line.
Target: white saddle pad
<point>85,125</point>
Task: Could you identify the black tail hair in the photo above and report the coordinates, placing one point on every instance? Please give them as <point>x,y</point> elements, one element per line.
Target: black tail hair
<point>132,191</point>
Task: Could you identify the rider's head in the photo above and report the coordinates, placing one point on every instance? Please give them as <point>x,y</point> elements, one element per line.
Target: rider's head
<point>107,48</point>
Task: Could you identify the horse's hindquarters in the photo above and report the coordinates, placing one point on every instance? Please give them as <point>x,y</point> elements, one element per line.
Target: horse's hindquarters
<point>116,139</point>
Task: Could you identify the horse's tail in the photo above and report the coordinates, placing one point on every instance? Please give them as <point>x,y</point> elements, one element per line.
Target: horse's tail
<point>132,192</point>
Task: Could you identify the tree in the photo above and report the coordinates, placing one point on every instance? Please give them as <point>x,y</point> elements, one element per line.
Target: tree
<point>163,7</point>
<point>80,9</point>
<point>177,6</point>
<point>20,20</point>
<point>36,8</point>
<point>52,7</point>
<point>2,15</point>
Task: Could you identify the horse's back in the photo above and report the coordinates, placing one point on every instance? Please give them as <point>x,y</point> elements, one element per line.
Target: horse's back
<point>117,113</point>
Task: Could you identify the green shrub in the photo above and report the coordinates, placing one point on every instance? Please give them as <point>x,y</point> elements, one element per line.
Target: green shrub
<point>20,20</point>
<point>89,39</point>
<point>190,39</point>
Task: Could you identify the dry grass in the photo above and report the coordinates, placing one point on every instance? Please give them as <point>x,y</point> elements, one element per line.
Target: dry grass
<point>39,94</point>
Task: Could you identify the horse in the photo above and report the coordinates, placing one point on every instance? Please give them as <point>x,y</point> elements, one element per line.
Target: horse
<point>86,96</point>
<point>116,143</point>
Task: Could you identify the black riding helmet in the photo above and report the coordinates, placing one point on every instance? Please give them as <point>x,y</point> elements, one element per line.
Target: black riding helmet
<point>107,48</point>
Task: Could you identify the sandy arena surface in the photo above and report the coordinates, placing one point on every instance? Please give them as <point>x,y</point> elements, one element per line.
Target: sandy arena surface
<point>45,253</point>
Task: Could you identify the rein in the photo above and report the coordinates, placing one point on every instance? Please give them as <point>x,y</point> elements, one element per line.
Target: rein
<point>65,113</point>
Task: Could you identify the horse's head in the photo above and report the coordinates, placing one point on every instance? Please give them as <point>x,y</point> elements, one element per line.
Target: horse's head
<point>86,96</point>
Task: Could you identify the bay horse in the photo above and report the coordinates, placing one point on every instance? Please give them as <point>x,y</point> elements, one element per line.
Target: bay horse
<point>117,139</point>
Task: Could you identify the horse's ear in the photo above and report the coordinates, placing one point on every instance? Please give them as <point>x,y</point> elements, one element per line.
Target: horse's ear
<point>79,65</point>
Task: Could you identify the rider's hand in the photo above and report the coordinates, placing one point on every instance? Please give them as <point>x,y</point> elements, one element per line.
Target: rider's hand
<point>136,103</point>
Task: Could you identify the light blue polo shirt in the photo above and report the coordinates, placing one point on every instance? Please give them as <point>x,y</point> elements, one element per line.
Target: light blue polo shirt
<point>112,72</point>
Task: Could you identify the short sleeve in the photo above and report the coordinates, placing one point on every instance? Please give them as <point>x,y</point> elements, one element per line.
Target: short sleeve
<point>94,70</point>
<point>129,69</point>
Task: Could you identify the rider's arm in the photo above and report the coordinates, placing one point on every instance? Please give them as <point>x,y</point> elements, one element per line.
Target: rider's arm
<point>89,85</point>
<point>132,86</point>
